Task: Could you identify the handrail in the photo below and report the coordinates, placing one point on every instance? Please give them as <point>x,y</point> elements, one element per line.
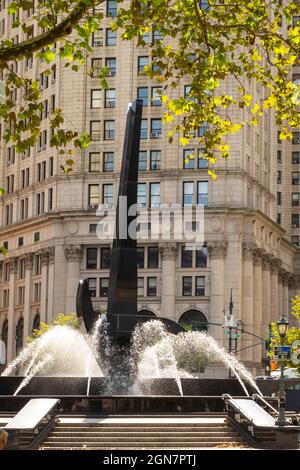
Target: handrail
<point>254,396</point>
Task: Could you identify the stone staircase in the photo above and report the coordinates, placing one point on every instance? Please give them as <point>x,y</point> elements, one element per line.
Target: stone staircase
<point>141,432</point>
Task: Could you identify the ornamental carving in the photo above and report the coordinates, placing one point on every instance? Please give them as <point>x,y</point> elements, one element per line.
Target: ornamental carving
<point>275,265</point>
<point>216,224</point>
<point>13,264</point>
<point>73,252</point>
<point>248,250</point>
<point>51,254</point>
<point>29,261</point>
<point>168,250</point>
<point>217,249</point>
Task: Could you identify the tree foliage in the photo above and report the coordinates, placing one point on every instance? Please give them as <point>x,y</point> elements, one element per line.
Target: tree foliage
<point>209,42</point>
<point>61,319</point>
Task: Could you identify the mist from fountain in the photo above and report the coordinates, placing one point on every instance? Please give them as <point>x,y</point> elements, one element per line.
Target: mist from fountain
<point>63,351</point>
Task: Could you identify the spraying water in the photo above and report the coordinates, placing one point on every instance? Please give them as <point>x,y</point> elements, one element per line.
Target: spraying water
<point>63,351</point>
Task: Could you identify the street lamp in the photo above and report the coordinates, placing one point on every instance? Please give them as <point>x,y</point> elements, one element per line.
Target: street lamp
<point>282,327</point>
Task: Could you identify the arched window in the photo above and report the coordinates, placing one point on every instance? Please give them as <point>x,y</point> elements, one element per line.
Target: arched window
<point>147,313</point>
<point>19,335</point>
<point>4,337</point>
<point>36,322</point>
<point>196,319</point>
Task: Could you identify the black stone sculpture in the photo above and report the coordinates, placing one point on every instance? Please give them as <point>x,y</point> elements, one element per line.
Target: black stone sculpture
<point>122,314</point>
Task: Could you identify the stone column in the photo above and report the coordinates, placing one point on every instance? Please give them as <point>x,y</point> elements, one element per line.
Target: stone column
<point>50,310</point>
<point>286,281</point>
<point>280,292</point>
<point>44,286</point>
<point>217,252</point>
<point>73,254</point>
<point>275,265</point>
<point>257,302</point>
<point>266,284</point>
<point>28,296</point>
<point>247,300</point>
<point>11,341</point>
<point>168,253</point>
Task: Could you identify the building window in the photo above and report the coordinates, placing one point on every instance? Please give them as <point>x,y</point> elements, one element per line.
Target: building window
<point>186,258</point>
<point>278,199</point>
<point>295,177</point>
<point>97,38</point>
<point>93,228</point>
<point>156,36</point>
<point>92,282</point>
<point>109,130</point>
<point>50,199</point>
<point>200,286</point>
<point>155,96</point>
<point>21,295</point>
<point>296,137</point>
<point>144,129</point>
<point>24,209</point>
<point>140,287</point>
<point>279,156</point>
<point>111,37</point>
<point>94,162</point>
<point>143,61</point>
<point>142,160</point>
<point>155,159</point>
<point>105,257</point>
<point>108,162</point>
<point>104,287</point>
<point>142,195</point>
<point>93,196</point>
<point>197,320</point>
<point>95,130</point>
<point>295,220</point>
<point>187,285</point>
<point>20,241</point>
<point>36,323</point>
<point>295,240</point>
<point>188,193</point>
<point>110,98</point>
<point>202,196</point>
<point>37,267</point>
<point>111,64</point>
<point>202,161</point>
<point>5,298</point>
<point>21,268</point>
<point>188,159</point>
<point>278,218</point>
<point>279,177</point>
<point>153,257</point>
<point>154,194</point>
<point>40,203</point>
<point>111,8</point>
<point>295,158</point>
<point>155,128</point>
<point>96,67</point>
<point>107,195</point>
<point>151,287</point>
<point>37,292</point>
<point>91,258</point>
<point>96,99</point>
<point>142,94</point>
<point>140,257</point>
<point>50,166</point>
<point>201,257</point>
<point>19,335</point>
<point>187,91</point>
<point>295,199</point>
<point>36,237</point>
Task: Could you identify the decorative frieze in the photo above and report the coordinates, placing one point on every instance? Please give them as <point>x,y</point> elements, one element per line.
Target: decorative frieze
<point>217,249</point>
<point>73,253</point>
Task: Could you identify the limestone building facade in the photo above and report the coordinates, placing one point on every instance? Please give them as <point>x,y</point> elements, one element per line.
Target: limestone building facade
<point>48,219</point>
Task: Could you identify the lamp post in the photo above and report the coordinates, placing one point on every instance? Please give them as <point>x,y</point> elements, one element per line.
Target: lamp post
<point>282,327</point>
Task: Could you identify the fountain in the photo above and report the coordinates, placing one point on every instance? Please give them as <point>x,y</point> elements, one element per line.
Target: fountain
<point>123,353</point>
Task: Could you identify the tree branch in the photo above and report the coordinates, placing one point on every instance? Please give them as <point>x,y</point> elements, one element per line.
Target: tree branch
<point>23,49</point>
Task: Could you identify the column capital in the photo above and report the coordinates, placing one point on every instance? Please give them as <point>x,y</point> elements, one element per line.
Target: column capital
<point>51,254</point>
<point>28,260</point>
<point>73,252</point>
<point>168,250</point>
<point>248,250</point>
<point>217,249</point>
<point>44,256</point>
<point>275,265</point>
<point>13,264</point>
<point>266,260</point>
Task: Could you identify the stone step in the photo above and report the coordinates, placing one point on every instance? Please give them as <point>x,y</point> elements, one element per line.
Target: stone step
<point>135,434</point>
<point>138,426</point>
<point>120,438</point>
<point>124,445</point>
